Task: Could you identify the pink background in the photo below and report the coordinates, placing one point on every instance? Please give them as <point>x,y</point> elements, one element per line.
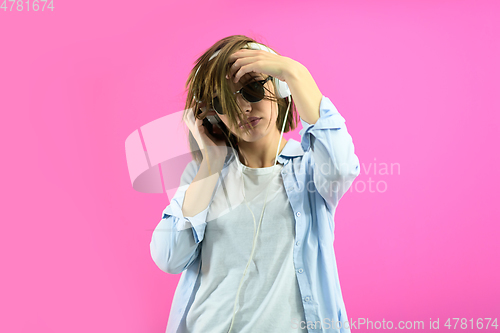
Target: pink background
<point>417,82</point>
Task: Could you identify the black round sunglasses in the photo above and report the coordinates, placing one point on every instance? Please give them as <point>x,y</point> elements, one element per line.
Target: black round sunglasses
<point>252,92</point>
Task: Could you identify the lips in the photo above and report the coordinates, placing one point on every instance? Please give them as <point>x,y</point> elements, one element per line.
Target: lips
<point>250,119</point>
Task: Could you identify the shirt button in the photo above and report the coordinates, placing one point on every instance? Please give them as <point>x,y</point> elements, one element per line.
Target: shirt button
<point>306,299</point>
<point>298,214</point>
<point>297,243</point>
<point>300,270</point>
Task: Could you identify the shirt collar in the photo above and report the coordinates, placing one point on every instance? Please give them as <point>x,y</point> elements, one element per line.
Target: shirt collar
<point>292,149</point>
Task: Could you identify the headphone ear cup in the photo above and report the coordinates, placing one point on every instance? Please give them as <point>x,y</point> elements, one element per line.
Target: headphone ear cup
<point>282,88</point>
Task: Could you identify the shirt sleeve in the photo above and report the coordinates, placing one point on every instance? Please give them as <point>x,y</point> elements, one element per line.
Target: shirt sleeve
<point>175,242</point>
<point>334,163</point>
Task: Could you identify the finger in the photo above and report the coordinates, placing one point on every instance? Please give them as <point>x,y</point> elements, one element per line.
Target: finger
<point>191,122</point>
<point>242,53</point>
<point>234,56</point>
<point>238,64</point>
<point>186,119</point>
<point>242,71</point>
<point>197,122</point>
<point>189,118</point>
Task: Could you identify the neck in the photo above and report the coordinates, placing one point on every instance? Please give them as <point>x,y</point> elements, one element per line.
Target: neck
<point>261,153</point>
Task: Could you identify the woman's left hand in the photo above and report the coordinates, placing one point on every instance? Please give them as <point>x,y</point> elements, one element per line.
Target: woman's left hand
<point>260,61</point>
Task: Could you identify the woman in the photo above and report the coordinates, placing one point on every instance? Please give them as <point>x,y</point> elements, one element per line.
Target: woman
<point>251,226</point>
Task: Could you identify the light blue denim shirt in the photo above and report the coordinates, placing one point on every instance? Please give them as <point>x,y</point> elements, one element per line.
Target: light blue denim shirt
<point>316,173</point>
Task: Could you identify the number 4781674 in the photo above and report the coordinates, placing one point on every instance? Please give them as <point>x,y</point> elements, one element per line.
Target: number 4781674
<point>481,323</point>
<point>26,6</point>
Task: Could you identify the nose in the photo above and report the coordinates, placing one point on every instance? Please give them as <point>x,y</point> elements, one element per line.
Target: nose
<point>245,105</point>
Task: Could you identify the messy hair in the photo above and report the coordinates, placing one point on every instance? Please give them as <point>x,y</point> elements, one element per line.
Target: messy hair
<point>208,77</point>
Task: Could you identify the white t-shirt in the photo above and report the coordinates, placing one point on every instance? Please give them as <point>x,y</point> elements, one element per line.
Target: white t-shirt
<point>269,297</point>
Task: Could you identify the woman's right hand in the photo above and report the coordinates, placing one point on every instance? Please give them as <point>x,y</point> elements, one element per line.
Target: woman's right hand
<point>210,147</point>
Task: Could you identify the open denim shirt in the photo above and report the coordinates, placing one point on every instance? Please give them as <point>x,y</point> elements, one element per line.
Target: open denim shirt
<point>316,173</point>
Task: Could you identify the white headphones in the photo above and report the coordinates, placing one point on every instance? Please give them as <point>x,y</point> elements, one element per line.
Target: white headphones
<point>283,92</point>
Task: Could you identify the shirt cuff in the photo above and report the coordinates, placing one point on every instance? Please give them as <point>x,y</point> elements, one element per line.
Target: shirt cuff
<point>197,223</point>
<point>329,118</point>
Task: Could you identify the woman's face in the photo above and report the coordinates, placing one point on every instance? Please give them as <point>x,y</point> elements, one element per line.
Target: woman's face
<point>265,109</point>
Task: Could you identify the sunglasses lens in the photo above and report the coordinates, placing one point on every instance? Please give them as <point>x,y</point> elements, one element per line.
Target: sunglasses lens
<point>253,92</point>
<point>217,106</point>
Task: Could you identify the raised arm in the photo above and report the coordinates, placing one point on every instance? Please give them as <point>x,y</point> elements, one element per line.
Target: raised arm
<point>324,134</point>
<point>335,165</point>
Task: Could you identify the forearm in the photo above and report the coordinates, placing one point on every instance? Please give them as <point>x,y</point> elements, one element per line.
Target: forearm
<point>305,91</point>
<point>200,191</point>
